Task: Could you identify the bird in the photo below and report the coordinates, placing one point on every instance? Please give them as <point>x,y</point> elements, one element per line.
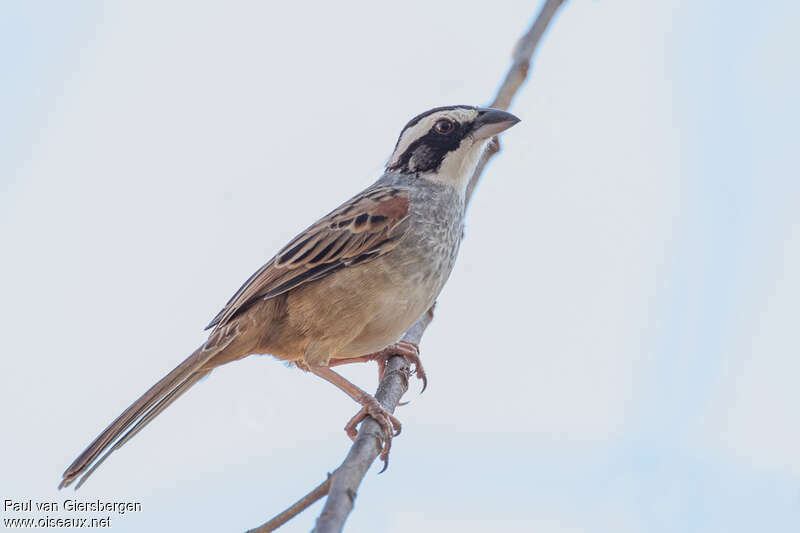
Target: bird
<point>346,288</point>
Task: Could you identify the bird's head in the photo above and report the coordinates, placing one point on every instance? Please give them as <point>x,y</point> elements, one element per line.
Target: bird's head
<point>445,143</point>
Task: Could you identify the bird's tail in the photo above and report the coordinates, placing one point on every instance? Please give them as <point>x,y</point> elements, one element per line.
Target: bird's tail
<point>141,412</point>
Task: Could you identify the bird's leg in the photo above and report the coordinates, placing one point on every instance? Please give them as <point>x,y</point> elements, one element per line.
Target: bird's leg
<point>369,407</point>
<point>407,349</point>
<point>348,360</point>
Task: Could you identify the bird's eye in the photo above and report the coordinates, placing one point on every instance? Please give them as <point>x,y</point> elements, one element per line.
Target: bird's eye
<point>443,126</point>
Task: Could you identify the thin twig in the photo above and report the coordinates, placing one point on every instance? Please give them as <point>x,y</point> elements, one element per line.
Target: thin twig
<point>522,55</point>
<point>298,507</point>
<point>343,484</point>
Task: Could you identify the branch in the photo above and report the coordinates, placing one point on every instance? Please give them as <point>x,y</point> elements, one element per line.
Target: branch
<point>368,443</point>
<point>522,55</point>
<point>298,507</point>
<point>515,77</point>
<point>343,484</point>
<point>364,450</point>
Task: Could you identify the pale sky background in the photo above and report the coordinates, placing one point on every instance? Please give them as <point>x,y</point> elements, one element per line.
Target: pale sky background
<point>616,350</point>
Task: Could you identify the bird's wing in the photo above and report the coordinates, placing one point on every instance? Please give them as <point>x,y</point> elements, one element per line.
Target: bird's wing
<point>363,228</point>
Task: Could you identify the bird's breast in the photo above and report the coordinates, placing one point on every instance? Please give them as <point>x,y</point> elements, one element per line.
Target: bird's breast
<point>407,281</point>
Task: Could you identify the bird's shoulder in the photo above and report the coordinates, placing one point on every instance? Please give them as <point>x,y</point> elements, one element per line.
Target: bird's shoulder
<point>366,226</point>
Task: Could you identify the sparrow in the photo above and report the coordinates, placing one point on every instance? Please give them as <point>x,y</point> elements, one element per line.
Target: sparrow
<point>348,287</point>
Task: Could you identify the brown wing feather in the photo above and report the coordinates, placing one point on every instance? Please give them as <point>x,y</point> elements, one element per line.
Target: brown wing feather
<point>363,228</point>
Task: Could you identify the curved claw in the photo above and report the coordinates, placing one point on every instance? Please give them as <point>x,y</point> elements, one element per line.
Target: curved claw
<point>423,377</point>
<point>385,463</point>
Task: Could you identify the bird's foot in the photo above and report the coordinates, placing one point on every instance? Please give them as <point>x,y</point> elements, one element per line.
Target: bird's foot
<point>410,351</point>
<point>390,426</point>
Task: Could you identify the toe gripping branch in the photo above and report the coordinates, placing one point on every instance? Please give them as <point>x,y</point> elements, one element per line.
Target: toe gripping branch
<point>409,350</point>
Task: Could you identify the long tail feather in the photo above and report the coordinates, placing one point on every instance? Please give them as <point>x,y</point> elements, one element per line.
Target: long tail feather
<point>140,413</point>
<point>151,414</point>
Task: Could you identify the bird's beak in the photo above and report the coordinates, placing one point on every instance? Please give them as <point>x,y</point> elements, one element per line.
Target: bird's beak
<point>490,122</point>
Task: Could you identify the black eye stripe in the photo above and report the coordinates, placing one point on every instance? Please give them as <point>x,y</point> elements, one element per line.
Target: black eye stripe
<point>427,153</point>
